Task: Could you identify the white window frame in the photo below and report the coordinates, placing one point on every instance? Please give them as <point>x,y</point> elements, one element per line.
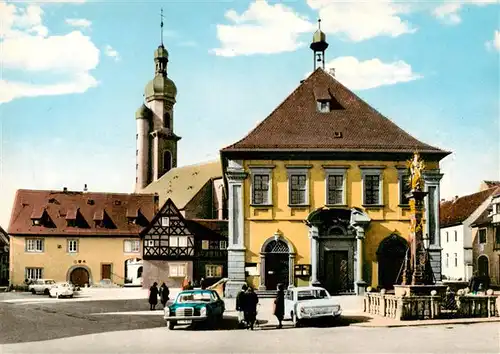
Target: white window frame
<point>132,246</point>
<point>223,245</point>
<point>205,244</point>
<point>402,180</point>
<point>36,273</point>
<point>177,241</point>
<point>73,246</point>
<point>165,221</point>
<point>456,260</point>
<point>485,236</point>
<point>149,243</point>
<point>177,270</point>
<point>447,264</point>
<point>34,245</point>
<point>456,236</point>
<point>373,171</point>
<point>266,171</point>
<point>323,106</point>
<point>447,237</point>
<point>298,171</point>
<point>336,171</point>
<point>212,270</point>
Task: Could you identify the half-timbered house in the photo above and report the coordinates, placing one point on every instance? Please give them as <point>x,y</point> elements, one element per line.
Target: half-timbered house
<point>176,248</point>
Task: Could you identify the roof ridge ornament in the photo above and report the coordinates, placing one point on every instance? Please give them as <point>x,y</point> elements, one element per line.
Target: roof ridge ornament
<point>161,26</point>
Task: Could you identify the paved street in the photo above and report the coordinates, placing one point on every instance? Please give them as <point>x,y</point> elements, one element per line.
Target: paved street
<point>37,324</point>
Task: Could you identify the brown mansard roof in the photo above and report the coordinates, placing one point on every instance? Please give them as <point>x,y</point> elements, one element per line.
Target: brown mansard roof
<point>454,212</point>
<point>351,125</point>
<point>57,207</point>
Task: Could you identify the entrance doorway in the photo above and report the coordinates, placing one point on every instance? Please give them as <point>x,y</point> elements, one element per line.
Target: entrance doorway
<point>105,271</point>
<point>391,255</point>
<point>79,277</point>
<point>483,266</point>
<point>277,264</point>
<point>336,271</point>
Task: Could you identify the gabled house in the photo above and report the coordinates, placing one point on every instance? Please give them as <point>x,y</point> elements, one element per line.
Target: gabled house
<point>4,257</point>
<point>82,237</point>
<point>175,248</point>
<point>456,219</point>
<point>486,241</point>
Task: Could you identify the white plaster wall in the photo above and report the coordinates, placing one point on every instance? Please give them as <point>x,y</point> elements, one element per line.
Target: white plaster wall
<point>450,247</point>
<point>218,186</point>
<point>132,268</point>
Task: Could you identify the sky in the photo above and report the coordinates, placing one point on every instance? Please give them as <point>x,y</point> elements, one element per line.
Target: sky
<point>72,75</point>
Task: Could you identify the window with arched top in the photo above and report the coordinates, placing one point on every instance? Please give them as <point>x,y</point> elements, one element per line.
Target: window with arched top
<point>166,120</point>
<point>167,161</point>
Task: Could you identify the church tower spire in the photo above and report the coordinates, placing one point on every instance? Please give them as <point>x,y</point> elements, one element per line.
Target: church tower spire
<point>156,142</point>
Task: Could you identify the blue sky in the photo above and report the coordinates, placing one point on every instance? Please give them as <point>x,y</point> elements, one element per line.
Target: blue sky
<point>73,75</point>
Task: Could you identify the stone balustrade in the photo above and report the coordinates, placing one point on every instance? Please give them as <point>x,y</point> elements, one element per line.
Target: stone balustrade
<point>429,306</point>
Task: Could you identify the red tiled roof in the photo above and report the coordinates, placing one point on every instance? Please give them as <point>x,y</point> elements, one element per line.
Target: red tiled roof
<point>60,206</point>
<point>219,226</point>
<point>351,126</point>
<point>453,212</point>
<point>491,184</point>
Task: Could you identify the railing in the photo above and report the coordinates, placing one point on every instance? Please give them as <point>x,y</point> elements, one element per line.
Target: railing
<point>477,306</point>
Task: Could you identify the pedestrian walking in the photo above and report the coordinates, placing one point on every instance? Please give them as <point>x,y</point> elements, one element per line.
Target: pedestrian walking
<point>203,284</point>
<point>250,307</point>
<point>240,305</point>
<point>153,296</point>
<point>279,305</point>
<point>164,294</point>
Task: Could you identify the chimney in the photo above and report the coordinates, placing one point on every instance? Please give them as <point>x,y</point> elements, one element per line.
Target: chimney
<point>85,189</point>
<point>331,71</point>
<point>65,189</point>
<point>456,197</point>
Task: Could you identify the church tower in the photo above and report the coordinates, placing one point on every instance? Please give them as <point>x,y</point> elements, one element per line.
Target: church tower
<point>156,142</point>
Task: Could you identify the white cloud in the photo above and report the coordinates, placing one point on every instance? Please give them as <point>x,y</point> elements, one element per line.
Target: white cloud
<point>27,46</point>
<point>495,42</point>
<point>261,29</point>
<point>363,75</point>
<point>449,12</point>
<point>111,52</point>
<point>79,22</point>
<point>362,20</point>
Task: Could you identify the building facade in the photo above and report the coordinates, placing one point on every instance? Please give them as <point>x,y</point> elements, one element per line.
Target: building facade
<point>456,218</point>
<point>176,248</point>
<point>486,241</point>
<point>317,194</point>
<point>80,237</point>
<point>4,257</point>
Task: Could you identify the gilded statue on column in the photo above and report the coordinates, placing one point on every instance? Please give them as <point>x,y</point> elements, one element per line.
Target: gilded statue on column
<point>416,166</point>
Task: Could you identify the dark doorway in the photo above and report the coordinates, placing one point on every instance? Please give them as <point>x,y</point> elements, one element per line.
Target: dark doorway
<point>105,271</point>
<point>79,277</point>
<point>483,266</point>
<point>277,264</point>
<point>391,255</point>
<point>336,271</point>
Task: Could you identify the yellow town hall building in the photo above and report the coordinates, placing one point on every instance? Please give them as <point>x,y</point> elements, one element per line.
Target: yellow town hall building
<point>317,194</point>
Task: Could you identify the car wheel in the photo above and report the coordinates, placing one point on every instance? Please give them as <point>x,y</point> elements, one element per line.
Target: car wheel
<point>33,291</point>
<point>295,320</point>
<point>71,296</point>
<point>46,292</point>
<point>171,325</point>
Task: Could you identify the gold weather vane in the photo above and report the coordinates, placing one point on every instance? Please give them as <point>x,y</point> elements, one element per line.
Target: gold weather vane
<point>161,25</point>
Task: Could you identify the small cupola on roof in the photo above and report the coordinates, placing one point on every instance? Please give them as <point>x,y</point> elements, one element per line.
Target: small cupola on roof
<point>161,87</point>
<point>318,46</point>
<point>143,112</point>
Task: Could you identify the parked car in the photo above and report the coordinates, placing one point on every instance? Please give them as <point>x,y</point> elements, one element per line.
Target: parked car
<point>307,303</point>
<point>61,290</point>
<point>194,306</point>
<point>41,286</point>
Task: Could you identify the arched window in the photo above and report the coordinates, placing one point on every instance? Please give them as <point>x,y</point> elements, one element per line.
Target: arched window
<point>166,120</point>
<point>167,161</point>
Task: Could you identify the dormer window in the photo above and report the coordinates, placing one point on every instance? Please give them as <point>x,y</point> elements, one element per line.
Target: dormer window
<point>323,106</point>
<point>37,222</point>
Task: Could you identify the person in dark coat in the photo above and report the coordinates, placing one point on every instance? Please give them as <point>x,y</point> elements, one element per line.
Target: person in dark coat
<point>164,294</point>
<point>250,307</point>
<point>279,305</point>
<point>153,296</point>
<point>240,304</point>
<point>203,284</point>
<point>474,283</point>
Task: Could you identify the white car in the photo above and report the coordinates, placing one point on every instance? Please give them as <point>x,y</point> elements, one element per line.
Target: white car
<point>61,290</point>
<point>311,302</point>
<point>41,286</point>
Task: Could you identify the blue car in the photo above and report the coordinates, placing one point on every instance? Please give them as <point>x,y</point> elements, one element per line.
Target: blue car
<point>195,306</point>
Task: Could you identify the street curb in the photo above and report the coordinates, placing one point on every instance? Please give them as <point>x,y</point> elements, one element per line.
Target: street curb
<point>425,323</point>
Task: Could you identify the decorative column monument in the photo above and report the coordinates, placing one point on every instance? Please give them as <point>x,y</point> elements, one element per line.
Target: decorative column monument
<point>417,274</point>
